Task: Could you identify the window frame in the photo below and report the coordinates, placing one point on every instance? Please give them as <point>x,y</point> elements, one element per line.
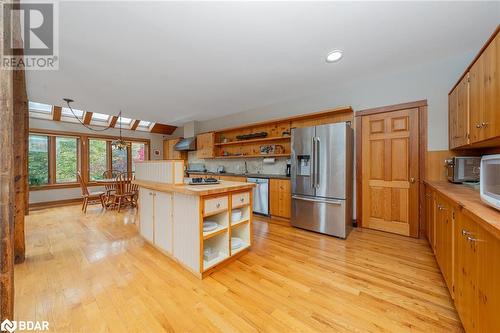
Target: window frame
<point>83,157</point>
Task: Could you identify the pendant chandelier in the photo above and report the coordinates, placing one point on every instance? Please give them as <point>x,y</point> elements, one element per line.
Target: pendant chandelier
<point>119,143</point>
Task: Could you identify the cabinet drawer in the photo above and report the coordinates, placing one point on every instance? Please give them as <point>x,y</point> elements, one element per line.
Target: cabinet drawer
<point>215,205</point>
<point>240,199</point>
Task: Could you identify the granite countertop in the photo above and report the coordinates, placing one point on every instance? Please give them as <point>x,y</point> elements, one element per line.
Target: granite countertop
<point>255,175</point>
<point>199,190</point>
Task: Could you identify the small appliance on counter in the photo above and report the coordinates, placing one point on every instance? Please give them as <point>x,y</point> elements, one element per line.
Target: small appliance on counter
<point>220,169</point>
<point>203,181</point>
<point>288,169</point>
<point>489,186</point>
<point>461,169</point>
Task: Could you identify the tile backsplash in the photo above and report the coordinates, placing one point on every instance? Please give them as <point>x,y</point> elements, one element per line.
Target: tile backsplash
<point>232,165</point>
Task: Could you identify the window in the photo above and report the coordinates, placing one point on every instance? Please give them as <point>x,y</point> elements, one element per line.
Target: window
<point>54,160</point>
<point>38,160</point>
<point>66,159</point>
<point>98,158</point>
<point>119,159</point>
<point>138,153</point>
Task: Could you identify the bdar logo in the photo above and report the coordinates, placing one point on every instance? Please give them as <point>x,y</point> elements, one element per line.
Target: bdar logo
<point>8,325</point>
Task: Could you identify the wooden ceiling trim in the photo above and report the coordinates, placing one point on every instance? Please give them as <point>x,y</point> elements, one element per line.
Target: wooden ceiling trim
<point>56,113</point>
<point>87,117</point>
<point>112,121</point>
<point>135,123</point>
<point>163,129</point>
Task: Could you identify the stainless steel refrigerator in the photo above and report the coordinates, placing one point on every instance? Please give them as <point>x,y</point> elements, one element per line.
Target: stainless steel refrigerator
<point>322,178</point>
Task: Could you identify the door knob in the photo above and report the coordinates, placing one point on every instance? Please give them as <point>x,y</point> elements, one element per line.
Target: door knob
<point>478,125</point>
<point>484,124</point>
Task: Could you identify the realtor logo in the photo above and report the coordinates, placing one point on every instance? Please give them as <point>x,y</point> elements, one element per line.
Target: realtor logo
<point>31,39</point>
<point>8,325</point>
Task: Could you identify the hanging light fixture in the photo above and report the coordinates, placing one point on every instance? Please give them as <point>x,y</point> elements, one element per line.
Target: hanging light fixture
<point>119,144</point>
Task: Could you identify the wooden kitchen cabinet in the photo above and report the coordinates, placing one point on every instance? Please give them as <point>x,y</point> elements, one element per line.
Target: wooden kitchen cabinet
<point>169,153</point>
<point>205,145</point>
<point>444,239</point>
<point>280,198</point>
<point>458,102</point>
<point>233,178</point>
<point>429,217</point>
<point>465,272</point>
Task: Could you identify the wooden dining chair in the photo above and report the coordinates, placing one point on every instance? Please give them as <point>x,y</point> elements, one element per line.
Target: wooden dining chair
<point>110,188</point>
<point>126,192</point>
<point>89,197</point>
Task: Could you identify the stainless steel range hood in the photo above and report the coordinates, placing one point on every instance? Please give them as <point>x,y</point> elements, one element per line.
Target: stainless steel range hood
<point>186,144</point>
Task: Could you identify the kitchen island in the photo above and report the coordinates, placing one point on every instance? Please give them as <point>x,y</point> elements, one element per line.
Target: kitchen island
<point>172,217</point>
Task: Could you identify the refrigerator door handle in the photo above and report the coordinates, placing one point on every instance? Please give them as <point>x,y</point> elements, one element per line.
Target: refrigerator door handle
<point>316,163</point>
<point>313,163</point>
<point>329,201</point>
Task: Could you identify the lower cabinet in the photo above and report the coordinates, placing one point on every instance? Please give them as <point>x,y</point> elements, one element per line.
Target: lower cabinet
<point>429,217</point>
<point>155,215</point>
<point>469,258</point>
<point>280,198</point>
<point>444,239</point>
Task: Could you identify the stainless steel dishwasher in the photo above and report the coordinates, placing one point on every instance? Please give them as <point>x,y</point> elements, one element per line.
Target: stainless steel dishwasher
<point>260,195</point>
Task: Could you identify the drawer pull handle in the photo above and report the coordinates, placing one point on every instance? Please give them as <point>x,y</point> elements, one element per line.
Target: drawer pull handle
<point>471,239</point>
<point>478,125</point>
<point>484,125</point>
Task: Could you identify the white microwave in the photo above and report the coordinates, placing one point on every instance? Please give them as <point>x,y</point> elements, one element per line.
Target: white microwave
<point>490,180</point>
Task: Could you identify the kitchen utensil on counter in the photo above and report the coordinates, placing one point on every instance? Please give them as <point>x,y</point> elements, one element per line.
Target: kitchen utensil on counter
<point>220,169</point>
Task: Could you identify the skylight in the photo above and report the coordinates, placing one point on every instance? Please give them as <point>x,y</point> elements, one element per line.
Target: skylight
<point>144,123</point>
<point>124,121</point>
<point>39,107</point>
<point>101,117</point>
<point>66,112</point>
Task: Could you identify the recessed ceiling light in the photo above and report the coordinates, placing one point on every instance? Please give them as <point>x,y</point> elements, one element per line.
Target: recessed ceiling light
<point>334,56</point>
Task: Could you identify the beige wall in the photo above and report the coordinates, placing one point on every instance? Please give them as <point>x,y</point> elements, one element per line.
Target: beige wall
<point>431,81</point>
<point>70,193</point>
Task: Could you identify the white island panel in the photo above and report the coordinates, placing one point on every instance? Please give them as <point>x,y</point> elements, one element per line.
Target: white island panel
<point>187,230</point>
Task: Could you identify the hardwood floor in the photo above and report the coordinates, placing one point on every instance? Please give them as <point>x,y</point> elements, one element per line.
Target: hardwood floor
<point>93,273</point>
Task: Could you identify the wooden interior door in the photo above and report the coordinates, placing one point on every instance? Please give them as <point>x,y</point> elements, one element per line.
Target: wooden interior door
<point>390,172</point>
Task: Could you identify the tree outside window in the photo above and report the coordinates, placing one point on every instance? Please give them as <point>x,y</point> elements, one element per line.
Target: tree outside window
<point>138,153</point>
<point>119,159</point>
<point>66,159</point>
<point>38,160</point>
<point>98,159</point>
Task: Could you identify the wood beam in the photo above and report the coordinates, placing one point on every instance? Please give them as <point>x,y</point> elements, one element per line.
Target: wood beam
<point>87,117</point>
<point>163,129</point>
<point>135,123</point>
<point>112,121</point>
<point>56,113</point>
<point>20,150</point>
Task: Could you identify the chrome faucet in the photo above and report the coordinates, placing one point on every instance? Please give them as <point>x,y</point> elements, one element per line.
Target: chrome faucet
<point>246,168</point>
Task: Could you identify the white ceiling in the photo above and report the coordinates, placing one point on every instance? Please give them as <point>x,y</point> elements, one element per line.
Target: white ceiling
<point>173,62</point>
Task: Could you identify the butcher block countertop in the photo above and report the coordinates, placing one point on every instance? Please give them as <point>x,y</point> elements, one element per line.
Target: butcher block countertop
<point>471,204</point>
<point>199,190</point>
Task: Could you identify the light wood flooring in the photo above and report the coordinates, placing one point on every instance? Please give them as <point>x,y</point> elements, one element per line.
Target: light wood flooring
<point>93,273</point>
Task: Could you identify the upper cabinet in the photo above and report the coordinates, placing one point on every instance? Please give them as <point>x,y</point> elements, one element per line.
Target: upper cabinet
<point>474,119</point>
<point>205,145</point>
<point>169,152</point>
<point>458,102</point>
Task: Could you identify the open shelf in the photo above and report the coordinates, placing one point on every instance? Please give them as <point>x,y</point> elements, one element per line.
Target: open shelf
<point>253,155</point>
<point>241,230</point>
<point>218,243</point>
<point>237,223</point>
<point>220,229</point>
<point>238,142</point>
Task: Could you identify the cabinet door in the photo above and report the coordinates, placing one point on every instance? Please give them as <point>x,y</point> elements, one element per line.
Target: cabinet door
<point>488,282</point>
<point>465,271</point>
<point>146,214</point>
<point>166,154</point>
<point>444,240</point>
<point>233,178</point>
<point>429,216</point>
<point>205,145</point>
<point>485,94</point>
<point>280,198</point>
<point>458,102</point>
<point>163,220</point>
